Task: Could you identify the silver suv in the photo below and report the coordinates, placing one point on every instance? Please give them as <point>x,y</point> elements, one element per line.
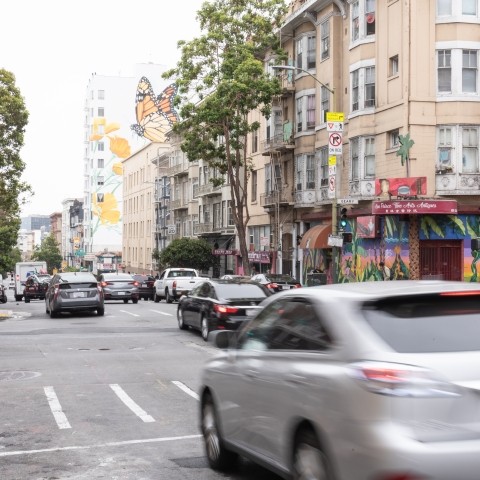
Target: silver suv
<point>375,380</point>
<point>74,292</point>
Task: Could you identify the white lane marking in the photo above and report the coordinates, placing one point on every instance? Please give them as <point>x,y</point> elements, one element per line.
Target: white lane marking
<point>129,313</point>
<point>162,313</point>
<point>183,387</point>
<point>101,445</point>
<point>56,408</point>
<point>136,409</point>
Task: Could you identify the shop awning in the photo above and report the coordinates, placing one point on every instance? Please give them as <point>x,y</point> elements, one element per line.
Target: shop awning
<point>316,237</point>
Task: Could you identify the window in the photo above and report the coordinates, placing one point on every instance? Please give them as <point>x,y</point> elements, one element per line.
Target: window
<point>217,216</point>
<point>363,88</point>
<point>325,103</point>
<point>101,112</point>
<point>101,94</point>
<point>310,171</point>
<point>393,65</point>
<point>299,172</point>
<point>363,19</point>
<point>100,163</point>
<point>470,150</point>
<point>325,39</point>
<point>323,167</point>
<point>100,180</point>
<point>393,138</point>
<point>230,221</point>
<point>469,7</point>
<point>444,148</point>
<point>362,158</point>
<point>255,141</point>
<point>306,112</point>
<point>268,179</point>
<point>100,197</point>
<point>369,157</point>
<point>253,183</point>
<point>355,174</point>
<point>306,43</point>
<point>101,146</point>
<point>455,8</point>
<point>469,71</point>
<point>444,71</point>
<point>457,72</point>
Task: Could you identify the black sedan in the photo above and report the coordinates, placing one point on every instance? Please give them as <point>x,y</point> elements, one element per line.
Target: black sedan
<point>145,285</point>
<point>276,282</point>
<point>220,304</point>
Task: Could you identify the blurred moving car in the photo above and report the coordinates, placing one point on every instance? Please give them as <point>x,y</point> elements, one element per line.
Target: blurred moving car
<point>35,287</point>
<point>73,292</point>
<point>119,286</point>
<point>219,304</point>
<point>276,281</point>
<point>146,289</point>
<point>374,380</point>
<point>235,277</point>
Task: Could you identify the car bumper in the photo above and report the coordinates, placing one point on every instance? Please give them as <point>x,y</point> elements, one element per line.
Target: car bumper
<point>76,305</point>
<point>121,296</point>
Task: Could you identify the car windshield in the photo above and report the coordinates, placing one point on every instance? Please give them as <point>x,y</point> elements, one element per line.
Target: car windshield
<point>181,273</point>
<point>241,290</point>
<point>427,323</point>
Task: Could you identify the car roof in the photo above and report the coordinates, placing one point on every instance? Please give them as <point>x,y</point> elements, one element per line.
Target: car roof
<point>77,276</point>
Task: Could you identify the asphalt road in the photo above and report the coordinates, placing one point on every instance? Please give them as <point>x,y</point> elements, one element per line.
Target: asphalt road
<point>113,397</point>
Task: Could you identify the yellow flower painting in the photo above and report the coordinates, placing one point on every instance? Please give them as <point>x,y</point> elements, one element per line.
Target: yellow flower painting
<point>105,207</point>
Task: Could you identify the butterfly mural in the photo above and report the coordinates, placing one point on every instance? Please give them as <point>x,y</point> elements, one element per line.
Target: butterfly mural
<point>155,114</point>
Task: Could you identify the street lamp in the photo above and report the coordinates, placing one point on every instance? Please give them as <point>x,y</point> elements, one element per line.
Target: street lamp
<point>334,199</point>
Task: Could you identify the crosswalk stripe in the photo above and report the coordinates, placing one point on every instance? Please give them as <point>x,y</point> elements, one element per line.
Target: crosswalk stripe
<point>136,409</point>
<point>186,389</point>
<point>56,408</point>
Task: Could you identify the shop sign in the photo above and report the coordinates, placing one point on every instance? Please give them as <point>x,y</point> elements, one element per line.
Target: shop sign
<point>220,251</point>
<point>406,207</point>
<point>259,257</point>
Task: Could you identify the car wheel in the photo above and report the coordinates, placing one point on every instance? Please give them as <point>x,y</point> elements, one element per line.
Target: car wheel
<point>168,297</point>
<point>181,323</point>
<point>53,314</point>
<point>204,327</point>
<point>156,298</point>
<point>125,300</point>
<point>100,312</point>
<point>46,308</point>
<point>27,300</point>
<point>309,461</point>
<point>219,457</point>
<point>134,300</point>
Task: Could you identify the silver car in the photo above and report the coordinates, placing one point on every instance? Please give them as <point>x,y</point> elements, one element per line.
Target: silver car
<point>364,381</point>
<point>74,292</point>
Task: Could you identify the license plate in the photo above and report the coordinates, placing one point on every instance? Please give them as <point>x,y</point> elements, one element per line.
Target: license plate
<point>78,294</point>
<point>144,284</point>
<point>250,312</point>
<point>122,293</point>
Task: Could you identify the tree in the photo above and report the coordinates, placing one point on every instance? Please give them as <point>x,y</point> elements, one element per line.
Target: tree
<point>48,252</point>
<point>224,69</point>
<point>188,253</point>
<point>13,120</point>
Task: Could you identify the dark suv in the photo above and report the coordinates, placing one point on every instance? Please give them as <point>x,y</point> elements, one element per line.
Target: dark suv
<point>74,292</point>
<point>36,286</point>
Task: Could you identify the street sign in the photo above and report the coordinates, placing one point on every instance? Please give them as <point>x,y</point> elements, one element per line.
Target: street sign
<point>335,240</point>
<point>335,117</point>
<point>332,169</point>
<point>334,143</point>
<point>348,201</point>
<point>332,160</point>
<point>334,126</point>
<point>331,186</point>
<point>172,229</point>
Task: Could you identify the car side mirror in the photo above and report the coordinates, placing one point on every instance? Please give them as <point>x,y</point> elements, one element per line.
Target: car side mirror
<point>224,339</point>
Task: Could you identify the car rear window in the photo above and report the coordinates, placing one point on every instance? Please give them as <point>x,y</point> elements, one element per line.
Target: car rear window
<point>241,290</point>
<point>67,286</point>
<point>119,276</point>
<point>448,322</point>
<point>280,278</point>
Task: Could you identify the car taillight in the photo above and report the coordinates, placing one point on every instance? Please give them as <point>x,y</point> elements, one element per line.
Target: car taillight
<point>56,289</point>
<point>135,284</point>
<point>174,284</point>
<point>272,286</point>
<point>104,284</point>
<point>297,285</point>
<point>399,380</point>
<point>225,309</point>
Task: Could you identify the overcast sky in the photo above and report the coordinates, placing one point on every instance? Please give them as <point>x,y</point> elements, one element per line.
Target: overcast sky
<point>52,47</point>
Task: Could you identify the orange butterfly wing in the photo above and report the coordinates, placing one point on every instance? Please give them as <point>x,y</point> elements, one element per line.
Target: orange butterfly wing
<point>165,104</point>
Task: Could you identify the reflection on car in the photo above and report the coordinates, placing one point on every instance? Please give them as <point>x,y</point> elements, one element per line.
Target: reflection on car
<point>73,292</point>
<point>276,282</point>
<point>220,304</point>
<point>373,380</point>
<point>145,286</point>
<point>229,276</point>
<point>119,286</point>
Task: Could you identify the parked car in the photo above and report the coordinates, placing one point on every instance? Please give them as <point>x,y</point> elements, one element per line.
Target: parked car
<point>146,289</point>
<point>3,293</point>
<point>74,292</point>
<point>35,287</point>
<point>219,304</point>
<point>276,282</point>
<point>119,286</point>
<point>374,380</point>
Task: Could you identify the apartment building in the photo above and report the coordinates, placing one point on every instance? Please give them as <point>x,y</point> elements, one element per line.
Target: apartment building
<point>400,162</point>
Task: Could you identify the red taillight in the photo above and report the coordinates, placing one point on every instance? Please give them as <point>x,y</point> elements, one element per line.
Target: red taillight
<point>135,284</point>
<point>225,309</point>
<point>460,294</point>
<point>272,286</point>
<point>297,285</point>
<point>104,284</point>
<point>400,476</point>
<point>174,284</point>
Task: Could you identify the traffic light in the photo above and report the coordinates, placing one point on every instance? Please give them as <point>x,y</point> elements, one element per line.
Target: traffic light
<point>342,224</point>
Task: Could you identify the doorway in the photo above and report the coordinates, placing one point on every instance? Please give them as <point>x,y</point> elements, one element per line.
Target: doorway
<point>441,260</point>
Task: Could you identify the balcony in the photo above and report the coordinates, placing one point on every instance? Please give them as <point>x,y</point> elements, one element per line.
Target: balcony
<point>205,228</point>
<point>178,204</point>
<point>305,198</point>
<point>286,83</point>
<point>179,169</point>
<point>208,190</point>
<point>273,198</point>
<point>280,142</point>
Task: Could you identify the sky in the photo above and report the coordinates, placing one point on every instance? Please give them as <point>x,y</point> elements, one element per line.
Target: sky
<point>53,47</point>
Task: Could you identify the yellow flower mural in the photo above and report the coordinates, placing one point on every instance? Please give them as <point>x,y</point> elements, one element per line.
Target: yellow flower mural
<point>119,146</point>
<point>117,168</point>
<point>105,207</point>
